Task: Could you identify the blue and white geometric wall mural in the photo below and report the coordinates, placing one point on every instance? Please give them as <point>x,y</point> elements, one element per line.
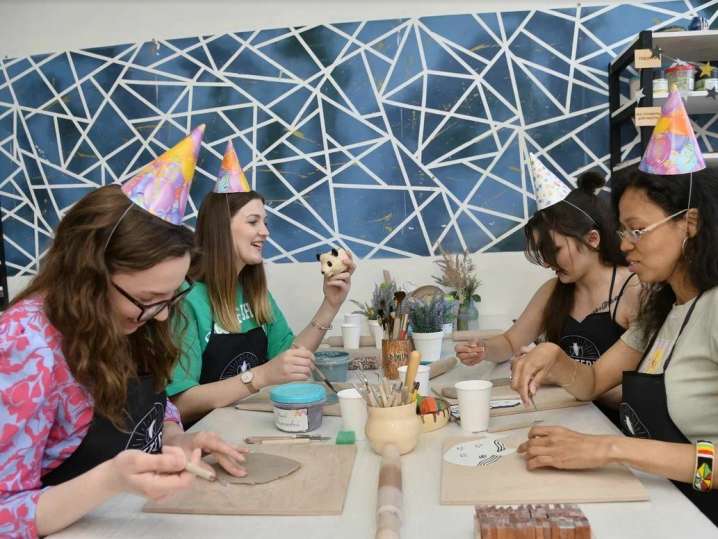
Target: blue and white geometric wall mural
<point>389,137</point>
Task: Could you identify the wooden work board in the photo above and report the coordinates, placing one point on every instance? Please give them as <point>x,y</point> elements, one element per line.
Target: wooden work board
<point>507,481</point>
<point>547,398</point>
<point>319,487</point>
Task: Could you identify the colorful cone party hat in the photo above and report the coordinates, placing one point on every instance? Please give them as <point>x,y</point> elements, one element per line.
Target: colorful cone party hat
<point>162,186</point>
<point>231,179</point>
<point>673,148</point>
<point>548,189</point>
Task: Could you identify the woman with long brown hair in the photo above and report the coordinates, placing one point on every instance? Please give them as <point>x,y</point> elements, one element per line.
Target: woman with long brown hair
<point>86,352</point>
<point>592,299</point>
<point>237,339</point>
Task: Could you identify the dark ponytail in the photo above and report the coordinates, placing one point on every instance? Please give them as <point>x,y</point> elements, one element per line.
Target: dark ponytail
<point>583,210</point>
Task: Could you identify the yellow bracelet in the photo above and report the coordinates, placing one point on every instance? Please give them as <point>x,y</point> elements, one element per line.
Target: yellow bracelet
<point>705,455</point>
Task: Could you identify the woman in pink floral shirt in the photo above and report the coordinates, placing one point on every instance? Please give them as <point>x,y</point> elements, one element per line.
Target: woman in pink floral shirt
<point>85,355</point>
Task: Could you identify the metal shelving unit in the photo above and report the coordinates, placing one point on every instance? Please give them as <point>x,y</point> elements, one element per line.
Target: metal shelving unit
<point>691,46</point>
<point>4,294</point>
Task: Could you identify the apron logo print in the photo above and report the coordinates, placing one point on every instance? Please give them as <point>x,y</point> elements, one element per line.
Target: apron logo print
<point>238,365</point>
<point>631,423</point>
<point>147,433</point>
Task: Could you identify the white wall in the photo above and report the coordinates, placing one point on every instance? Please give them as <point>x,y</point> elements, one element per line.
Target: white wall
<point>508,281</point>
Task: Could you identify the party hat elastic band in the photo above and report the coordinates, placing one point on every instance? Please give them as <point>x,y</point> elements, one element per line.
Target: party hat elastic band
<point>162,186</point>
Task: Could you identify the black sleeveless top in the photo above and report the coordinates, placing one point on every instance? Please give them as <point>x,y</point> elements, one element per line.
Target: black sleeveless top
<point>585,341</point>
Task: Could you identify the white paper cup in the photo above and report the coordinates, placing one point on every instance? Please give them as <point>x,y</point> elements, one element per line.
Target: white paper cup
<point>353,319</point>
<point>350,336</point>
<point>474,397</point>
<point>354,412</point>
<point>422,376</point>
<point>377,332</point>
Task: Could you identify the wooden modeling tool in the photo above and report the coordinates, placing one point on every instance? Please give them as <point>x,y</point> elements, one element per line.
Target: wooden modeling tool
<point>515,426</point>
<point>288,439</point>
<point>411,370</point>
<point>324,378</point>
<point>207,475</point>
<point>320,374</point>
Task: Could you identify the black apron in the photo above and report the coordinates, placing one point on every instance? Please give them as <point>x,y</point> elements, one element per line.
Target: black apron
<point>228,354</point>
<point>104,441</point>
<point>587,340</point>
<point>644,414</point>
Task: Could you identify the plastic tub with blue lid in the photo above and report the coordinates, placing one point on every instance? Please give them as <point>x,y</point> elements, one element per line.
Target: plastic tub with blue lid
<point>298,407</point>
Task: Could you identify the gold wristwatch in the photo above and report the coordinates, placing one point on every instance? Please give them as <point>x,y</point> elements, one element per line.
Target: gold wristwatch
<point>247,378</point>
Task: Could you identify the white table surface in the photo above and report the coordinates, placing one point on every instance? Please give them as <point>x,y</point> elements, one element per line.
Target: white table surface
<point>668,514</point>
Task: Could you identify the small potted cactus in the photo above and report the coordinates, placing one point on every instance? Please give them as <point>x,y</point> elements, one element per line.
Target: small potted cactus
<point>427,318</point>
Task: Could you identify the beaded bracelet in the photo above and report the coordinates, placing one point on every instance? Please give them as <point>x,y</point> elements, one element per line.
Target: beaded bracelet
<point>705,454</point>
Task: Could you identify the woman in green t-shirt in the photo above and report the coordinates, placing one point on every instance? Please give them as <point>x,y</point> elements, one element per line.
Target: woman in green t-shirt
<point>235,338</point>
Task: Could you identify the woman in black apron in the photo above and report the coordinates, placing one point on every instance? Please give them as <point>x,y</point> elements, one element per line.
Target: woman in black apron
<point>593,298</point>
<point>669,374</point>
<point>85,353</point>
<point>234,327</point>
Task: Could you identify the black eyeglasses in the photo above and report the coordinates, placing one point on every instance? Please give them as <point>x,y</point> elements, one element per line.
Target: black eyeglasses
<point>148,312</point>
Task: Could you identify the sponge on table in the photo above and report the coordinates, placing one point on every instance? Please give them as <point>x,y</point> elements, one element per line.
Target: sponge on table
<point>346,437</point>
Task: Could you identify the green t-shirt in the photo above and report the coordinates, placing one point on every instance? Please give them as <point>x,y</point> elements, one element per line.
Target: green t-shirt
<point>198,312</point>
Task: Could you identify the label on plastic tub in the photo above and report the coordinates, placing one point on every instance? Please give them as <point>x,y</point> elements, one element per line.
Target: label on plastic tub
<point>292,420</point>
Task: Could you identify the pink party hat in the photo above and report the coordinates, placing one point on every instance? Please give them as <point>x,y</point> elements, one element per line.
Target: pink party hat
<point>673,148</point>
<point>231,179</point>
<point>548,189</point>
<point>162,186</point>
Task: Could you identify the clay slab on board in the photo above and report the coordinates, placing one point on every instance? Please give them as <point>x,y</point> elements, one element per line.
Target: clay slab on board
<point>261,468</point>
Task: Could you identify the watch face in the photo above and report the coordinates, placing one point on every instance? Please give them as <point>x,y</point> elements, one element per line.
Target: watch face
<point>246,376</point>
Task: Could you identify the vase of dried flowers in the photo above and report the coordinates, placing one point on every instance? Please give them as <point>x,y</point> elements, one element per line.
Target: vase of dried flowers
<point>381,299</point>
<point>468,316</point>
<point>458,273</point>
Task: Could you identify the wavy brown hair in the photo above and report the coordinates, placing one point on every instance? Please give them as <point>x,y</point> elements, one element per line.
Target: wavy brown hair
<point>75,283</point>
<point>216,266</point>
<point>574,223</point>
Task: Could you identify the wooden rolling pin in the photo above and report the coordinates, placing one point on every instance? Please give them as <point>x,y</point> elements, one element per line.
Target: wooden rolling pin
<point>389,495</point>
<point>437,368</point>
<point>411,370</point>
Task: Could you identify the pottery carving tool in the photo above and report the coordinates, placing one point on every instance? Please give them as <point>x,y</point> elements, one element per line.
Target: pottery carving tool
<point>411,370</point>
<point>207,475</point>
<point>288,439</point>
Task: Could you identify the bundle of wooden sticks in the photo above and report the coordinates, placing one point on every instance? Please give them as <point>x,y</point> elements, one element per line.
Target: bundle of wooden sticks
<point>387,393</point>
